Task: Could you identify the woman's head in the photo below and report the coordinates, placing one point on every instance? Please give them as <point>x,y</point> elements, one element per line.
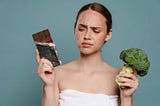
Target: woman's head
<point>92,28</point>
<point>100,9</point>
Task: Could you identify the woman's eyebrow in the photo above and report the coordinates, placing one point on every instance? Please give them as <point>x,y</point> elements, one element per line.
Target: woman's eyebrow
<point>95,28</point>
<point>92,27</point>
<point>82,25</point>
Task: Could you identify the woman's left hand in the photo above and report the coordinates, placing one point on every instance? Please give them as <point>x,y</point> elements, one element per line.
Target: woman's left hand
<point>128,84</point>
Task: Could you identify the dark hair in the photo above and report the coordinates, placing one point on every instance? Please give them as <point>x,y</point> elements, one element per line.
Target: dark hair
<point>100,9</point>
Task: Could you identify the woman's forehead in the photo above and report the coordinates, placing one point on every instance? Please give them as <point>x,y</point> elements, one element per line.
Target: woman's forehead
<point>93,18</point>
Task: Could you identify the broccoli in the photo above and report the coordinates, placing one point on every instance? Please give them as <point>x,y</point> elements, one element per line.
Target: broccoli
<point>135,58</point>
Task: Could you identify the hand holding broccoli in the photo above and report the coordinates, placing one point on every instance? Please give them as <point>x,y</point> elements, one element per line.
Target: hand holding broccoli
<point>134,58</point>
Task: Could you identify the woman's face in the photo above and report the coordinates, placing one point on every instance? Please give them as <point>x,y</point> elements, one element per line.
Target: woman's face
<point>91,31</point>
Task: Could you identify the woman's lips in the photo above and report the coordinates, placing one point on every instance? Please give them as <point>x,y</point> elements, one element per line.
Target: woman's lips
<point>86,45</point>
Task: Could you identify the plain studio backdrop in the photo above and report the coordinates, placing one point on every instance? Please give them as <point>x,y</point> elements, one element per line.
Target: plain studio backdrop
<point>136,23</point>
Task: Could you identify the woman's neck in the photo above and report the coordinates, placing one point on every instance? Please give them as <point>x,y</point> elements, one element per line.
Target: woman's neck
<point>90,61</point>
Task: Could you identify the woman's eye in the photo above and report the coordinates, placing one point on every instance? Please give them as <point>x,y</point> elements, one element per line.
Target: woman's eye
<point>96,31</point>
<point>81,29</point>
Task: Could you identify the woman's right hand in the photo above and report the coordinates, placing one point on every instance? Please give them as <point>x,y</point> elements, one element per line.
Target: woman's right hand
<point>45,70</point>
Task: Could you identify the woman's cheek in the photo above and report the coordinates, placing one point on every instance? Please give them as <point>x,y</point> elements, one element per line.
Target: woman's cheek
<point>77,36</point>
<point>77,39</point>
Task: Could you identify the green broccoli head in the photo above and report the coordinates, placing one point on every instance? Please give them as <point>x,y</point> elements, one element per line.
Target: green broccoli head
<point>136,58</point>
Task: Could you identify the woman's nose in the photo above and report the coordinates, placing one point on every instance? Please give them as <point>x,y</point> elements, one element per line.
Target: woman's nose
<point>87,35</point>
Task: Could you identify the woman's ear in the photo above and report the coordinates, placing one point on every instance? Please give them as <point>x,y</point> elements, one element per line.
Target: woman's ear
<point>109,35</point>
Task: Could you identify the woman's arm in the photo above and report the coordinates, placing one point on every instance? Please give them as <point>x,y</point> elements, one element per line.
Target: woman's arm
<point>126,101</point>
<point>50,83</point>
<point>50,95</point>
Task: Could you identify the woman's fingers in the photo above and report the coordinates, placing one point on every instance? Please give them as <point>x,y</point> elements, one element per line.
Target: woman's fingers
<point>46,62</point>
<point>127,75</point>
<point>128,80</point>
<point>45,70</point>
<point>45,67</point>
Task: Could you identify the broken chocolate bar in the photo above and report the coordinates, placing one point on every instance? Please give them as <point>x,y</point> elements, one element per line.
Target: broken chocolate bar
<point>46,47</point>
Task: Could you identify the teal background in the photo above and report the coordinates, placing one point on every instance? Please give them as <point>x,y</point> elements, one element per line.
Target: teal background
<point>136,23</point>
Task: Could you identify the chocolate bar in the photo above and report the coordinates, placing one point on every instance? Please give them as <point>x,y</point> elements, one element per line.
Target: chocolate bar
<point>46,47</point>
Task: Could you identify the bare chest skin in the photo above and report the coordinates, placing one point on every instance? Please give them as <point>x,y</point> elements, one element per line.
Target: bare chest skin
<point>97,81</point>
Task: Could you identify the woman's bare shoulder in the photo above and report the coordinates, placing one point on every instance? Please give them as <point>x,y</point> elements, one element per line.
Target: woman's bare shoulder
<point>112,69</point>
<point>65,68</point>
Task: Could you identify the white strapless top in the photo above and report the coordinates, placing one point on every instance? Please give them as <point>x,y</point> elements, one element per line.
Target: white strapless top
<point>70,97</point>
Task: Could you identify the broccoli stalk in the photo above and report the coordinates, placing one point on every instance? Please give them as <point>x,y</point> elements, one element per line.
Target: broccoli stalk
<point>127,69</point>
<point>134,58</point>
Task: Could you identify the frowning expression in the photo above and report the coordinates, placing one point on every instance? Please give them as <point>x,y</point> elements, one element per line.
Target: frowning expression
<point>91,31</point>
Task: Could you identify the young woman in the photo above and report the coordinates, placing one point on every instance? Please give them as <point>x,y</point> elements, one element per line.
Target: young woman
<point>88,80</point>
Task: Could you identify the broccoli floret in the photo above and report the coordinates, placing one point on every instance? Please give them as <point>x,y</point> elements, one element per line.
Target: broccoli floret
<point>136,58</point>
